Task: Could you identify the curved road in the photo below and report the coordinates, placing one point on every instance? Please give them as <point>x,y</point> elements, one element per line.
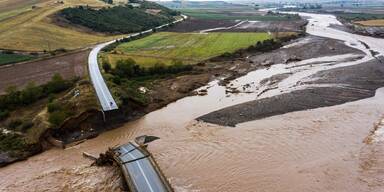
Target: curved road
<point>104,95</point>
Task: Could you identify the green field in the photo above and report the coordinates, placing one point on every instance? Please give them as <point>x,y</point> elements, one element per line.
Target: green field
<point>166,47</point>
<point>222,14</point>
<point>13,58</point>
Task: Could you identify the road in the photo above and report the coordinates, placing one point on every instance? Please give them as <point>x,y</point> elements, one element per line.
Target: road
<point>103,94</point>
<point>138,170</point>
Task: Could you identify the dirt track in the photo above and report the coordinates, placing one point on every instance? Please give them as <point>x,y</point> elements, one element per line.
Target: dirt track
<point>68,66</point>
<point>193,25</point>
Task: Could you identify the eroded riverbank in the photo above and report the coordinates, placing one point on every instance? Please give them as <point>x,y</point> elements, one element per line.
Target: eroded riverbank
<point>323,149</point>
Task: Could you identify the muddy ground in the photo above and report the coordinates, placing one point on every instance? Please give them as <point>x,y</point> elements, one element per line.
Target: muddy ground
<point>196,25</point>
<point>312,48</point>
<point>167,90</point>
<point>68,66</point>
<point>193,25</point>
<point>349,84</point>
<point>271,26</point>
<point>373,31</point>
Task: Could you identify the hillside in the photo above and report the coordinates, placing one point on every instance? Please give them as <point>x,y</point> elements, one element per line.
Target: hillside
<point>31,25</point>
<point>120,19</point>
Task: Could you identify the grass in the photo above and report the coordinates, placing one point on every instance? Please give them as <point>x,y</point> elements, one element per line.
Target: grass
<point>374,22</point>
<point>190,48</point>
<point>13,58</point>
<point>33,29</point>
<point>10,8</point>
<point>220,14</point>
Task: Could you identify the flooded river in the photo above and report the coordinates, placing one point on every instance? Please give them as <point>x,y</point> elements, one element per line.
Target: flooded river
<point>338,148</point>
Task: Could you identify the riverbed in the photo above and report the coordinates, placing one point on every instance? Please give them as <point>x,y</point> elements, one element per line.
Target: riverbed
<point>334,148</point>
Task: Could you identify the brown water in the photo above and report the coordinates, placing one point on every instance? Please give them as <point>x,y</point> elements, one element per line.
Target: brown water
<point>324,149</point>
<point>314,150</point>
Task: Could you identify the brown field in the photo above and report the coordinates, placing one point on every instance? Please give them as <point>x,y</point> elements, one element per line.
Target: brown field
<point>68,66</point>
<point>33,29</point>
<point>375,22</point>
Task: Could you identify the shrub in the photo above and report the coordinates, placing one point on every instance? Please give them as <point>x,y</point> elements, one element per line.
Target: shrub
<point>106,66</point>
<point>26,125</point>
<point>125,68</point>
<point>30,94</point>
<point>4,114</point>
<point>57,84</point>
<point>57,117</point>
<point>53,106</point>
<point>14,124</point>
<point>9,142</point>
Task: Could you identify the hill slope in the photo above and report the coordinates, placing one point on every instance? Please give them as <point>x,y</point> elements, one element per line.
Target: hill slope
<point>31,27</point>
<point>120,19</point>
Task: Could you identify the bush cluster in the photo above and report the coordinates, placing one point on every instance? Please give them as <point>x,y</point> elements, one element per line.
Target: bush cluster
<point>57,113</point>
<point>122,19</point>
<point>11,142</point>
<point>19,125</point>
<point>31,93</point>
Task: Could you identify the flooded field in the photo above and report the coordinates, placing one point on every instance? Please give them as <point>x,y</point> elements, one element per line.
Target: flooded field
<point>336,148</point>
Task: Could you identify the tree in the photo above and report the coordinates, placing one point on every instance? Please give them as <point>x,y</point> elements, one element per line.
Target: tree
<point>56,84</point>
<point>12,96</point>
<point>31,93</point>
<point>106,66</point>
<point>125,68</point>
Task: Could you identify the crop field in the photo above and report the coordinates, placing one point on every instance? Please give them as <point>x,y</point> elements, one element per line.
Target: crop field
<point>33,29</point>
<point>222,14</point>
<point>374,22</point>
<point>13,58</point>
<point>190,48</point>
<point>41,71</point>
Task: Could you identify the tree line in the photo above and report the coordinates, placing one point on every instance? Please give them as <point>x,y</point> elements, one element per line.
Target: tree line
<point>129,69</point>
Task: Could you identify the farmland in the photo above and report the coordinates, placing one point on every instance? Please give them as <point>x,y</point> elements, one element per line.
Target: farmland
<point>223,14</point>
<point>33,29</point>
<point>165,47</point>
<point>12,58</point>
<point>374,22</point>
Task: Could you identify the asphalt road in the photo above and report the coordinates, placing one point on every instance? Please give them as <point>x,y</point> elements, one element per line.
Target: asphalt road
<point>141,172</point>
<point>104,95</point>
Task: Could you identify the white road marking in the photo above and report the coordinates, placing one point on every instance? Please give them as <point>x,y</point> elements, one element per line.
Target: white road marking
<point>141,169</point>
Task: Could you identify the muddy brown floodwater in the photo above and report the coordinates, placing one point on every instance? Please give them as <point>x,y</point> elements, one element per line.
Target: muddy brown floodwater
<point>336,148</point>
